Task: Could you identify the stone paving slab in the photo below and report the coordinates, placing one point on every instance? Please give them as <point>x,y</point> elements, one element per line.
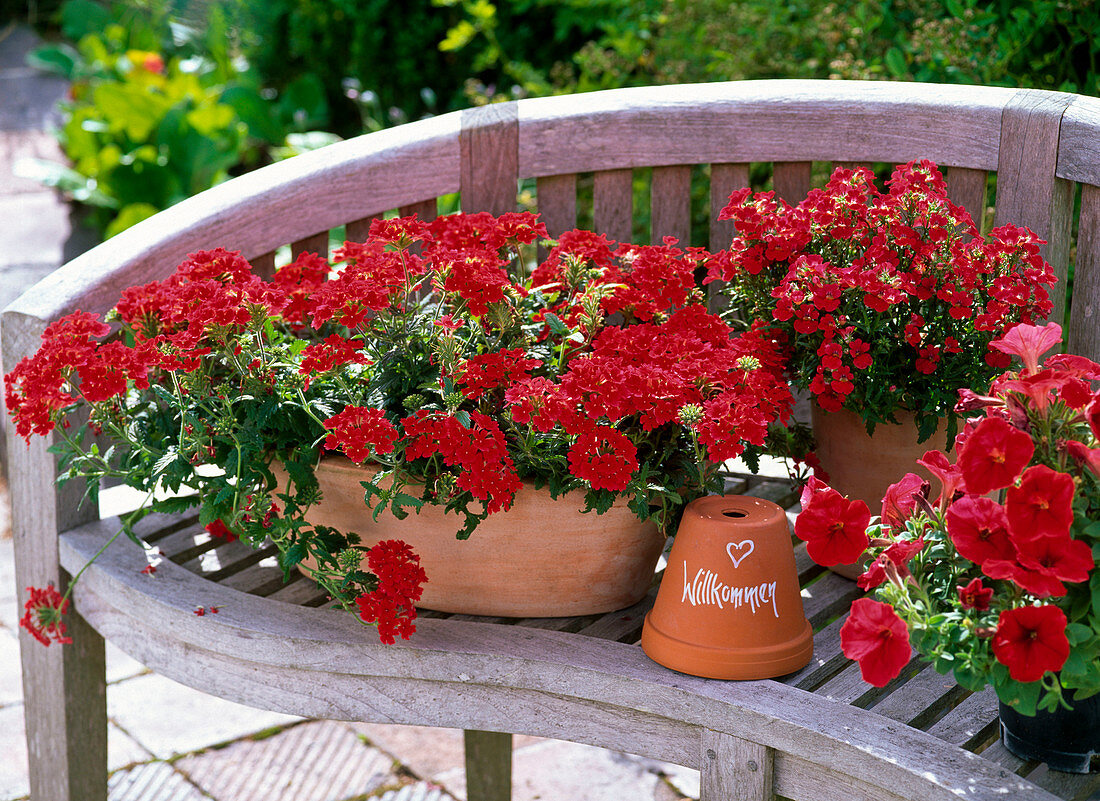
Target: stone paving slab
<point>425,750</point>
<point>169,719</point>
<point>11,672</point>
<point>17,145</point>
<point>9,610</point>
<point>421,791</point>
<point>555,770</point>
<point>155,781</point>
<point>30,95</point>
<point>317,761</point>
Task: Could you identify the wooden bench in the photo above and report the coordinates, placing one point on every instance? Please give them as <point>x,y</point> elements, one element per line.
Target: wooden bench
<point>820,734</point>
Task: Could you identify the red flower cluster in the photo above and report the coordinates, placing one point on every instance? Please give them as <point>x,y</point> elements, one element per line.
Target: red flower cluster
<point>487,371</point>
<point>392,604</point>
<point>358,431</point>
<point>480,450</point>
<point>1035,444</point>
<point>42,615</point>
<point>858,277</point>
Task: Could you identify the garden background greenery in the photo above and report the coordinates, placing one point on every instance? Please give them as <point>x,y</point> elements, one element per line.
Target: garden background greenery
<point>173,96</point>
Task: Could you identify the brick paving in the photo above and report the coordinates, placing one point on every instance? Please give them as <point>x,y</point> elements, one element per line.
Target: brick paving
<point>168,742</point>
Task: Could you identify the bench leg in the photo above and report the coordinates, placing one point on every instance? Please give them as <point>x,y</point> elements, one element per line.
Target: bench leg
<point>488,766</point>
<point>734,769</point>
<point>65,712</point>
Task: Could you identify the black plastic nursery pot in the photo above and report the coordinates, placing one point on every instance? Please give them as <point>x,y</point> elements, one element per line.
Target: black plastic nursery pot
<point>1067,740</point>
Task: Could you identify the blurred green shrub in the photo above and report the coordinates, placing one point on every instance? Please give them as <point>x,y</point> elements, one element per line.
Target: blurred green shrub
<point>160,110</point>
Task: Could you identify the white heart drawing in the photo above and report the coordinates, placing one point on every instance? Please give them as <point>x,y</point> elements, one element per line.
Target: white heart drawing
<point>737,560</point>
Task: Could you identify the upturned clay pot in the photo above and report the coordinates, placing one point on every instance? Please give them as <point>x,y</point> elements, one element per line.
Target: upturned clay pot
<point>541,558</point>
<point>863,466</point>
<point>729,605</point>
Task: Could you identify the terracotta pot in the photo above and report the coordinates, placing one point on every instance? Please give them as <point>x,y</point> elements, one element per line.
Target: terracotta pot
<point>1066,739</point>
<point>863,467</point>
<point>541,558</point>
<point>729,606</point>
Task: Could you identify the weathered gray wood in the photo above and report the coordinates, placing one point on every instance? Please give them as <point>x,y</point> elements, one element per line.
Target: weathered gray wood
<point>972,724</point>
<point>734,769</point>
<point>1028,192</point>
<point>359,230</point>
<point>426,210</point>
<point>724,179</point>
<point>496,678</point>
<point>557,203</point>
<point>670,204</point>
<point>317,243</point>
<point>490,158</point>
<point>488,766</point>
<point>791,181</point>
<point>967,188</point>
<point>748,121</point>
<point>1083,336</point>
<point>613,204</point>
<point>828,596</point>
<point>64,687</point>
<point>264,264</point>
<point>924,697</point>
<point>1079,143</point>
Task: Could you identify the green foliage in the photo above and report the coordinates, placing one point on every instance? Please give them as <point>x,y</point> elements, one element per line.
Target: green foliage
<point>160,110</point>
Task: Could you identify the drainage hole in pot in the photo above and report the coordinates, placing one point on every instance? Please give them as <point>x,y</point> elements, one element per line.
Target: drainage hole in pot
<point>734,513</point>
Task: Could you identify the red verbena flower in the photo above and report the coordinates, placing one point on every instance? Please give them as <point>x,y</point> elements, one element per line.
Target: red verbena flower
<point>1031,640</point>
<point>392,604</point>
<point>359,430</point>
<point>994,455</point>
<point>878,639</point>
<point>218,529</point>
<point>605,458</point>
<point>42,615</point>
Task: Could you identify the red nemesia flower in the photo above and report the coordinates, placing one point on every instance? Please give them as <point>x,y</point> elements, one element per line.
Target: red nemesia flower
<point>994,455</point>
<point>42,615</point>
<point>834,528</point>
<point>392,604</point>
<point>1041,505</point>
<point>1031,640</point>
<point>358,431</point>
<point>975,595</point>
<point>1029,342</point>
<point>978,528</point>
<point>878,639</point>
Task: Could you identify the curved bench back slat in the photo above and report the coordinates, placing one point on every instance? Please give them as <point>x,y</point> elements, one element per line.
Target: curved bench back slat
<point>670,204</point>
<point>761,121</point>
<point>613,204</point>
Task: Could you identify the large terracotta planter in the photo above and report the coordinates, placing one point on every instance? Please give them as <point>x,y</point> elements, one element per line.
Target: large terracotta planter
<point>863,467</point>
<point>541,558</point>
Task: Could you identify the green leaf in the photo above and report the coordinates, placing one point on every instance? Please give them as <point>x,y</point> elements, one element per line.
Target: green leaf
<point>402,500</point>
<point>130,215</point>
<point>557,327</point>
<point>895,62</point>
<point>50,173</point>
<point>458,36</point>
<point>60,59</point>
<point>82,17</point>
<point>131,109</point>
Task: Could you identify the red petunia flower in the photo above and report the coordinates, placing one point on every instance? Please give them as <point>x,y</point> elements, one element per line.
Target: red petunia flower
<point>978,527</point>
<point>1029,342</point>
<point>42,615</point>
<point>994,455</point>
<point>1042,504</point>
<point>834,528</point>
<point>1031,640</point>
<point>901,499</point>
<point>878,639</point>
<point>950,476</point>
<point>1044,563</point>
<point>975,595</point>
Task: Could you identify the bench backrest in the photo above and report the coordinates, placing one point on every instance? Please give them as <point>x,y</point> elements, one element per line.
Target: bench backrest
<point>1041,146</point>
